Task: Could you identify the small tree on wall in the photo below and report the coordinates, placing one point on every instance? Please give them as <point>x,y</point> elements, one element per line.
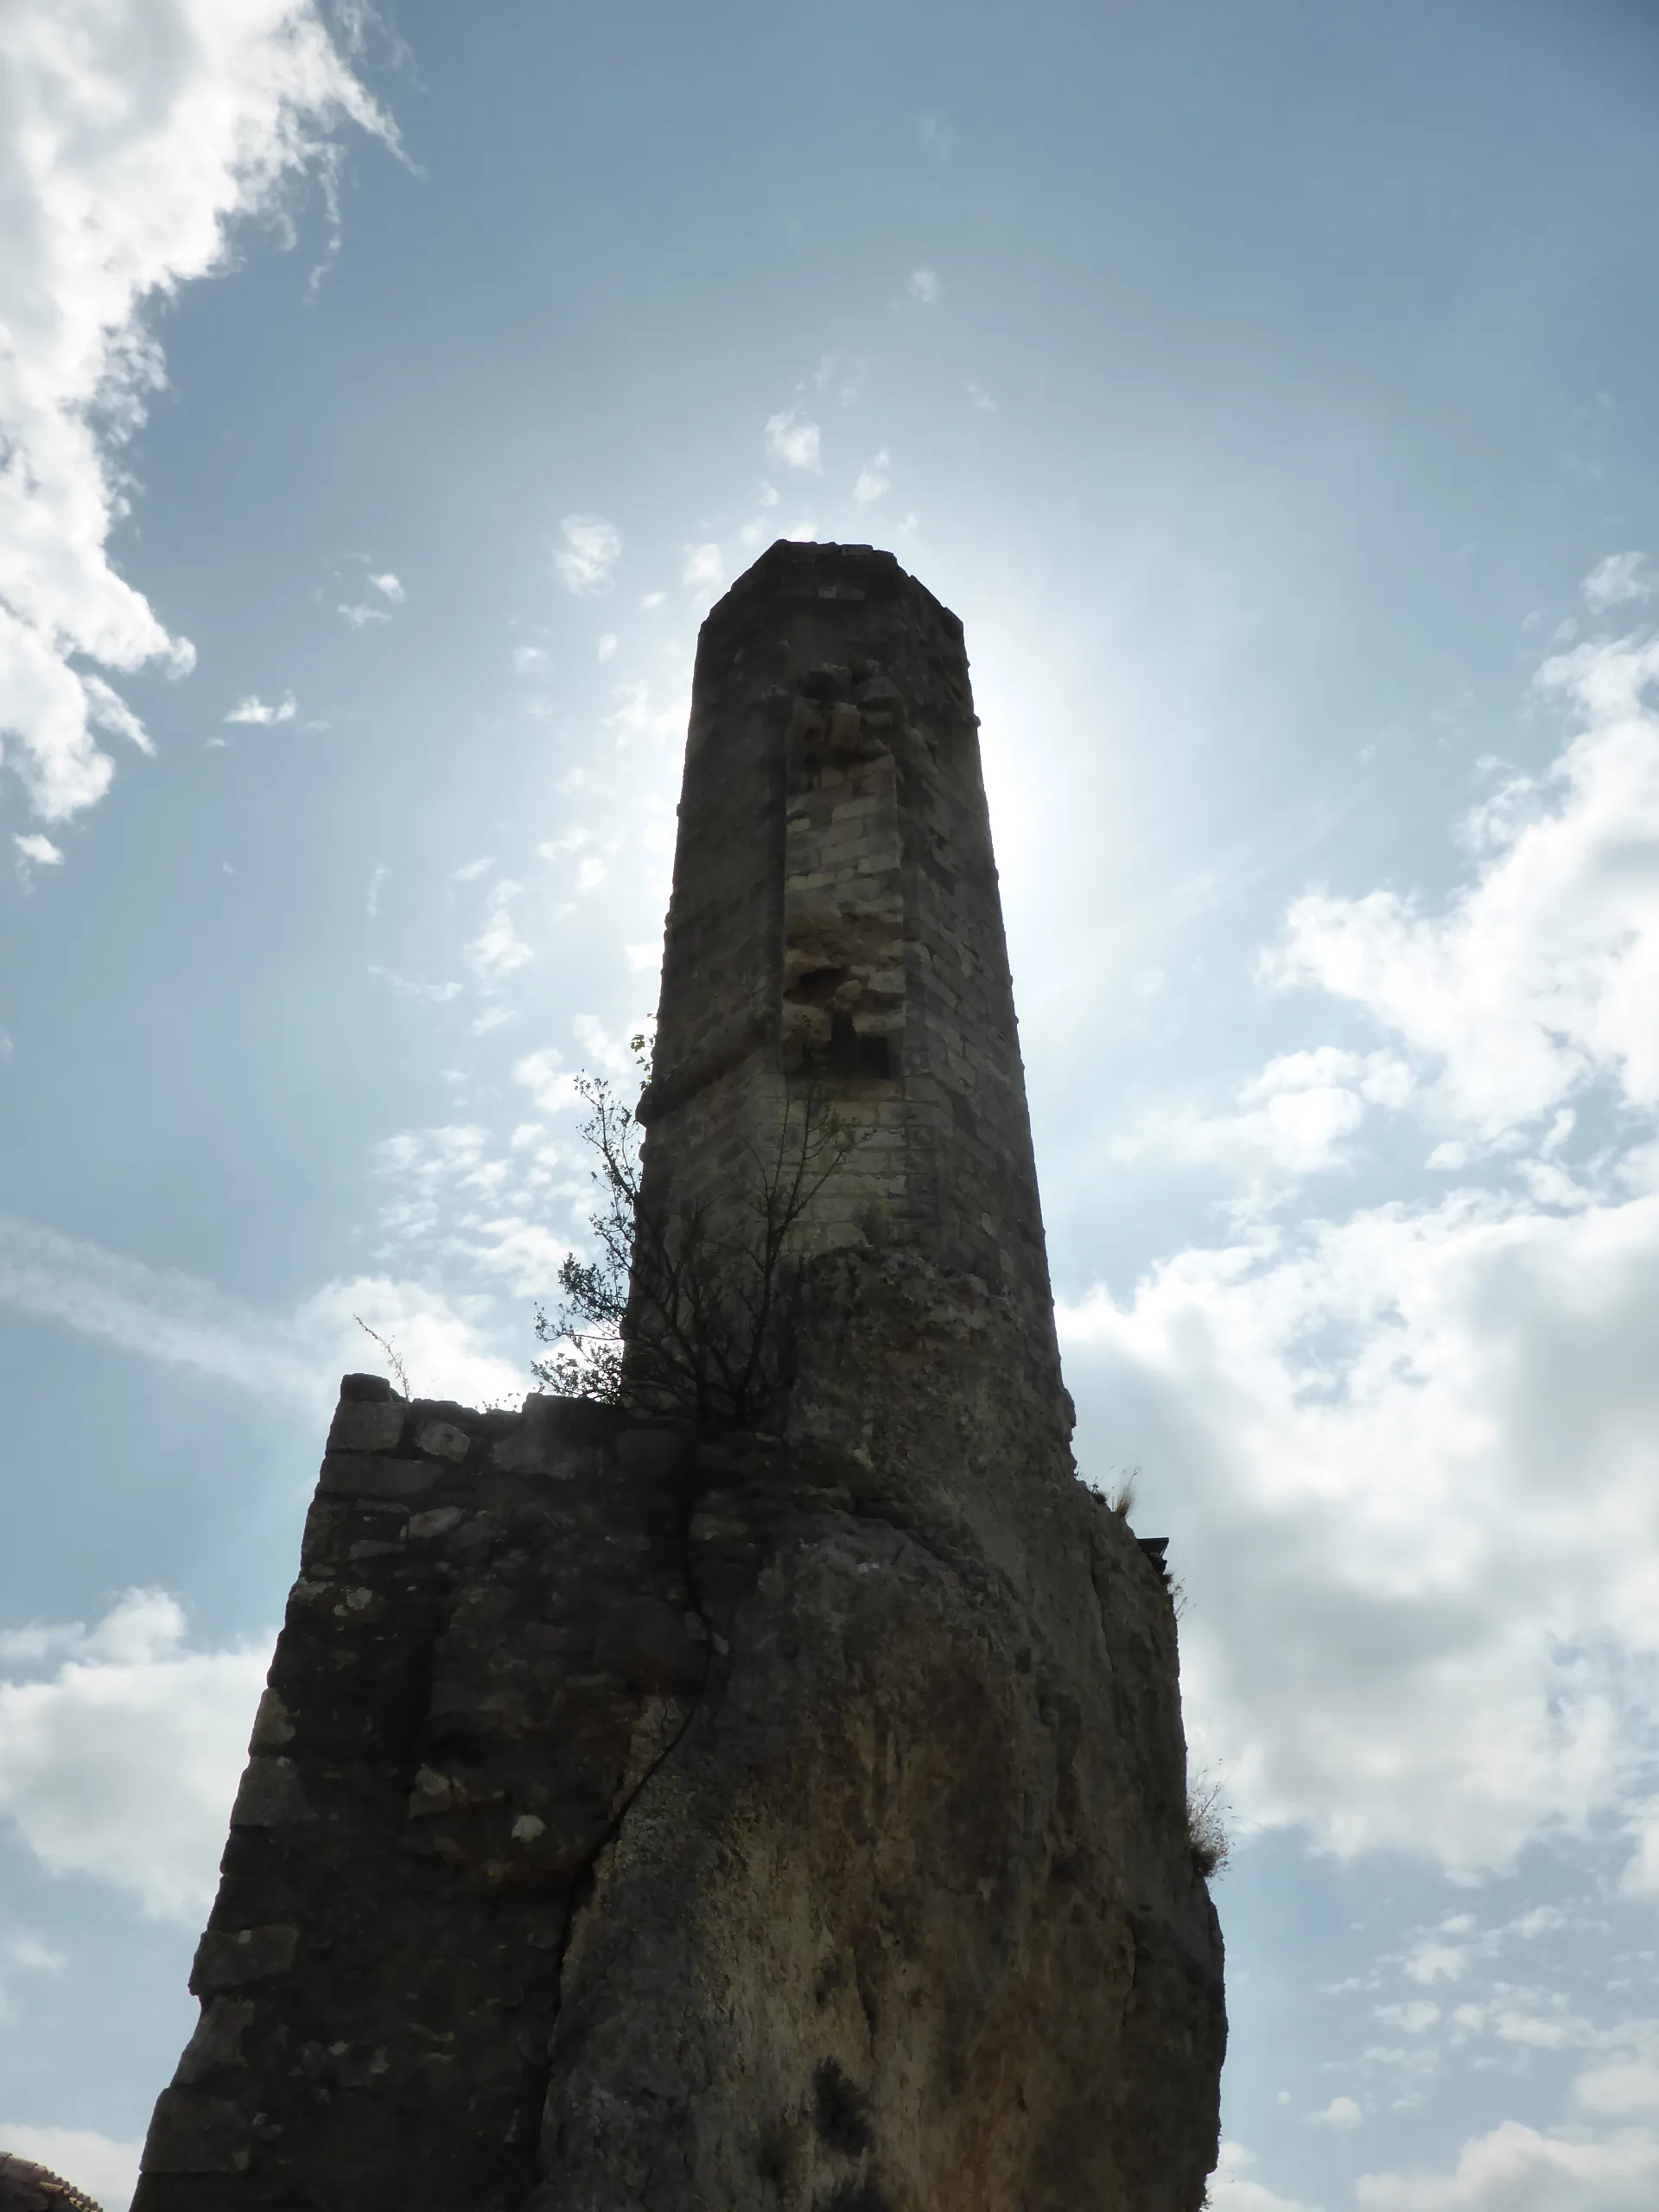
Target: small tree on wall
<point>682,1311</point>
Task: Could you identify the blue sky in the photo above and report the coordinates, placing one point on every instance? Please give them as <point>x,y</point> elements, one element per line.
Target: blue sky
<point>1269,387</point>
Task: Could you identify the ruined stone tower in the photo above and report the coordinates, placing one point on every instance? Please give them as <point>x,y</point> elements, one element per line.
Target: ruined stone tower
<point>648,1811</point>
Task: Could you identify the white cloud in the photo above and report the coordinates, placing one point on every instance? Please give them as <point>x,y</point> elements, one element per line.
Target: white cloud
<point>122,184</point>
<point>1341,2114</point>
<point>1231,2188</point>
<point>469,871</point>
<point>543,1075</point>
<point>591,551</point>
<point>1517,2168</point>
<point>254,709</point>
<point>360,614</point>
<point>1622,2086</point>
<point>104,2167</point>
<point>924,285</point>
<point>1415,2018</point>
<point>499,950</point>
<point>652,600</point>
<point>1540,977</point>
<point>979,400</point>
<point>608,645</point>
<point>1619,581</point>
<point>35,851</point>
<point>872,479</point>
<point>1359,1435</point>
<point>1406,1456</point>
<point>82,1753</point>
<point>531,660</point>
<point>438,1336</point>
<point>703,566</point>
<point>389,588</point>
<point>794,442</point>
<point>1291,1121</point>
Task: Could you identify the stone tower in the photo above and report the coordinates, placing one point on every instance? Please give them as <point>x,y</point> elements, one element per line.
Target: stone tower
<point>787,1817</point>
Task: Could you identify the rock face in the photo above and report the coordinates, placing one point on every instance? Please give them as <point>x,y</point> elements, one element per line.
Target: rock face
<point>787,1817</point>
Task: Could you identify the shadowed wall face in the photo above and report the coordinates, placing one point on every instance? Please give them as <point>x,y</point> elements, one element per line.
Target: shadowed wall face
<point>834,926</point>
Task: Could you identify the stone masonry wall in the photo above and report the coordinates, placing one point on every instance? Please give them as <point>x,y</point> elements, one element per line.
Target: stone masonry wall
<point>644,1816</point>
<point>638,1819</point>
<point>834,923</point>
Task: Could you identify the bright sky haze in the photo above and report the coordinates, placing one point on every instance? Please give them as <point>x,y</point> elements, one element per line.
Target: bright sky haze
<point>1270,389</point>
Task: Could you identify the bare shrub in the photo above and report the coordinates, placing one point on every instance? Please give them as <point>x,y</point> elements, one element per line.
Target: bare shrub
<point>681,1311</point>
<point>1207,1837</point>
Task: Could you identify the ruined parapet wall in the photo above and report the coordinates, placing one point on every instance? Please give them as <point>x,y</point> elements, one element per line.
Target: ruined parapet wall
<point>639,1819</point>
<point>834,923</point>
<point>489,1646</point>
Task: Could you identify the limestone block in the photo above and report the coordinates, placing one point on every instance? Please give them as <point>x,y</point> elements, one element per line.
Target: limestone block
<point>228,1959</point>
<point>196,2135</point>
<point>351,1474</point>
<point>216,2046</point>
<point>270,1796</point>
<point>443,1440</point>
<point>360,1428</point>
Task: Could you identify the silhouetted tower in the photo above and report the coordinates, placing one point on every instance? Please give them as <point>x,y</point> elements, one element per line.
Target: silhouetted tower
<point>835,925</point>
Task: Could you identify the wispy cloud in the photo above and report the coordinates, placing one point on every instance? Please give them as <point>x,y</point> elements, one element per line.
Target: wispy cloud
<point>406,986</point>
<point>924,285</point>
<point>872,479</point>
<point>1619,581</point>
<point>795,442</point>
<point>703,566</point>
<point>34,851</point>
<point>499,950</point>
<point>360,613</point>
<point>545,1076</point>
<point>179,1320</point>
<point>253,709</point>
<point>531,660</point>
<point>936,134</point>
<point>592,548</point>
